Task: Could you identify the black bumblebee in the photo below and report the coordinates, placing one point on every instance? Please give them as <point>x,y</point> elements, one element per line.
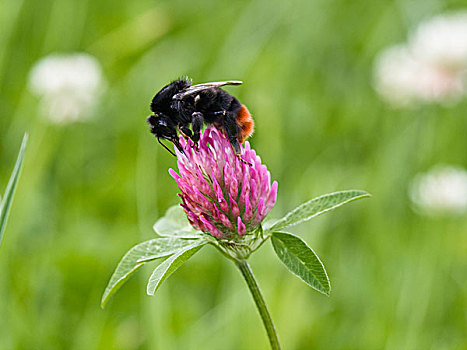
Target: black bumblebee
<point>180,104</point>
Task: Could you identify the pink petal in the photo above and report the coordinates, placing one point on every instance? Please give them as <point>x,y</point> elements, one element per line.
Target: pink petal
<point>272,197</point>
<point>248,210</point>
<point>213,230</point>
<point>220,196</point>
<point>241,229</point>
<point>234,207</point>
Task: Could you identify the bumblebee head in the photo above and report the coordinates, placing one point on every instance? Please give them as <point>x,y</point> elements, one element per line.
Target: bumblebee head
<point>163,128</point>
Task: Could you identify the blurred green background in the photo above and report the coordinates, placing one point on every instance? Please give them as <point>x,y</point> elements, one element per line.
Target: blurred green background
<point>89,191</point>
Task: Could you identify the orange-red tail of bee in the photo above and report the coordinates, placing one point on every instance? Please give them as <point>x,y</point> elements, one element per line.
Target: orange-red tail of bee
<point>245,123</point>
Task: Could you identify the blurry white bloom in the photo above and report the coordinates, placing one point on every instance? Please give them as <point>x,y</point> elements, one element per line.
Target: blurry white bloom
<point>442,40</point>
<point>441,190</point>
<point>403,79</point>
<point>396,75</point>
<point>432,67</point>
<point>69,85</point>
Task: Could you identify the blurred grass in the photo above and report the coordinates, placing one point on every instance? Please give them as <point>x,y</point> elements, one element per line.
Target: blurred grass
<point>90,191</point>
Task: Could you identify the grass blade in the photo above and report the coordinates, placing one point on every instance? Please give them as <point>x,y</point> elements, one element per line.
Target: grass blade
<point>7,199</point>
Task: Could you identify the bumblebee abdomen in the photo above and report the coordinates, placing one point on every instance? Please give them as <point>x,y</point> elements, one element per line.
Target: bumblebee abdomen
<point>245,124</point>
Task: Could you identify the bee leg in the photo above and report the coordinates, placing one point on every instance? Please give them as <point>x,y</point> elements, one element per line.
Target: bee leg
<point>172,153</point>
<point>243,160</point>
<point>185,131</point>
<point>231,129</point>
<point>197,121</point>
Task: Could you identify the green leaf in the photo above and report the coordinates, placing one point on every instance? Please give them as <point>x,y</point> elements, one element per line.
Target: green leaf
<point>5,204</point>
<point>175,224</point>
<point>139,255</point>
<point>169,266</point>
<point>301,260</point>
<point>317,206</point>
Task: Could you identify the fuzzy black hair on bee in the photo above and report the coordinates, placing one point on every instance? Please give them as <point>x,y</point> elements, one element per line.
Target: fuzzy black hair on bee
<point>185,108</point>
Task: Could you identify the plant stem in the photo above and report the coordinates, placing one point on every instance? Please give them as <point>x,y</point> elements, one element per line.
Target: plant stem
<point>260,304</point>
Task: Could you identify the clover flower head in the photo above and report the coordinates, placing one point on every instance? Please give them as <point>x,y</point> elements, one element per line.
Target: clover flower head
<point>222,195</point>
<point>68,85</point>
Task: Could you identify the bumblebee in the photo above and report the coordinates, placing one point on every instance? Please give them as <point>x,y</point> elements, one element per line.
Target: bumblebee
<point>180,105</point>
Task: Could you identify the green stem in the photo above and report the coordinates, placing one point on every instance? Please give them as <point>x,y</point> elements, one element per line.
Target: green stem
<point>260,304</point>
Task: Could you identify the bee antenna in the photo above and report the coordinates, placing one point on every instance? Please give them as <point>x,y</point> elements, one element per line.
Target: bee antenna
<point>159,140</point>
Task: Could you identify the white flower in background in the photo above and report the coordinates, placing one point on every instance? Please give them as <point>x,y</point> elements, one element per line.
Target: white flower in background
<point>441,190</point>
<point>432,67</point>
<point>396,75</point>
<point>442,40</point>
<point>69,85</point>
<point>403,79</point>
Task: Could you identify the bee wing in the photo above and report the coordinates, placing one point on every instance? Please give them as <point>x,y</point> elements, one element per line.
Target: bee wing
<point>199,87</point>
